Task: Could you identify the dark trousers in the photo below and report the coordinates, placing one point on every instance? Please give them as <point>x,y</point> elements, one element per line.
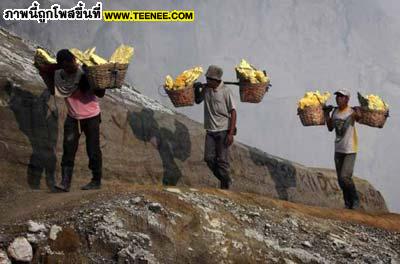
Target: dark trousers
<point>72,132</point>
<point>344,168</point>
<point>216,156</point>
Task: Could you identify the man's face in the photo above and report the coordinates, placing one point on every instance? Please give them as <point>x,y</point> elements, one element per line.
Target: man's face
<point>70,67</point>
<point>213,83</point>
<point>342,100</point>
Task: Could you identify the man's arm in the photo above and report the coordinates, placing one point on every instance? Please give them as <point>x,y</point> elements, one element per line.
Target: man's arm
<point>47,73</point>
<point>328,118</point>
<point>232,125</point>
<point>84,86</point>
<point>356,113</point>
<point>232,128</point>
<point>199,92</point>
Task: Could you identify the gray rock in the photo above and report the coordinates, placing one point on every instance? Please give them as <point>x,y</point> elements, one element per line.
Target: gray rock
<point>4,258</point>
<point>36,227</point>
<point>287,261</point>
<point>173,190</point>
<point>253,214</point>
<point>350,253</point>
<point>35,238</point>
<point>135,255</point>
<point>136,200</point>
<point>293,222</point>
<point>299,254</point>
<point>21,250</point>
<point>32,238</point>
<point>393,260</point>
<point>155,207</point>
<point>370,259</point>
<point>338,242</point>
<point>307,244</point>
<point>54,230</point>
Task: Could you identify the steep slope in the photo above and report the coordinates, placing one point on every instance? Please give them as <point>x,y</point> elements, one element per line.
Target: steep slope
<point>142,142</point>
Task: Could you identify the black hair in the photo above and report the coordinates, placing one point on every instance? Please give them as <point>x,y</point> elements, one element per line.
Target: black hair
<point>65,55</point>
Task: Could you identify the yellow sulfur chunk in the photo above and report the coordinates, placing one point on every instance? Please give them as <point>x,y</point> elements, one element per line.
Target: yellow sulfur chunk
<point>89,51</point>
<point>372,102</point>
<point>42,57</point>
<point>88,57</point>
<point>376,103</point>
<point>122,54</point>
<point>169,82</point>
<point>179,83</point>
<point>184,79</point>
<point>82,56</point>
<point>261,77</point>
<point>248,72</point>
<point>245,65</point>
<point>313,99</point>
<point>96,59</point>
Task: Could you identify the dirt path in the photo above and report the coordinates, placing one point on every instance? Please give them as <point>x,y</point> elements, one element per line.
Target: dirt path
<point>39,204</point>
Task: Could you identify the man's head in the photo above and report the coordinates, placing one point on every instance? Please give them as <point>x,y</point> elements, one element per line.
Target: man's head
<point>214,76</point>
<point>342,98</point>
<point>67,61</point>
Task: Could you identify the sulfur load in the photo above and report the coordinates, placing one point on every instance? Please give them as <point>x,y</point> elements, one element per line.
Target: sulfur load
<point>373,102</point>
<point>42,57</point>
<point>183,80</point>
<point>313,99</point>
<point>122,54</point>
<point>247,72</point>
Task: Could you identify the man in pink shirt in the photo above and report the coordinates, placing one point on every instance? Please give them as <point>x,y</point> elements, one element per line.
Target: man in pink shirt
<point>83,116</point>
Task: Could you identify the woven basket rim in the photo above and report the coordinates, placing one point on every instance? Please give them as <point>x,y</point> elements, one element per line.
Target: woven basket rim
<point>108,64</point>
<point>309,108</point>
<point>248,82</point>
<point>365,109</point>
<point>190,86</point>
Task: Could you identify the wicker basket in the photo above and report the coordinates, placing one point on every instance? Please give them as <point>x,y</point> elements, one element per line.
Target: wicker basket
<point>373,118</point>
<point>252,92</point>
<point>312,116</point>
<point>183,97</point>
<point>106,76</point>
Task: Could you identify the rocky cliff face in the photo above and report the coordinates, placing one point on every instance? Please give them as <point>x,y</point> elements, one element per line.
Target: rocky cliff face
<point>142,142</point>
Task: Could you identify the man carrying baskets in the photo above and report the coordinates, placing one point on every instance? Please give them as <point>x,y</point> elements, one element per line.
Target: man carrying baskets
<point>219,122</point>
<point>342,121</point>
<point>83,116</point>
